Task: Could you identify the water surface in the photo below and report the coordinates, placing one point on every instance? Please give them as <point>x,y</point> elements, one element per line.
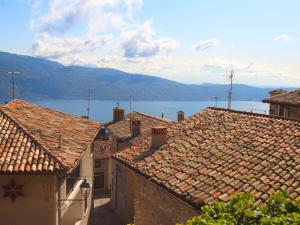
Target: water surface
<point>101,110</point>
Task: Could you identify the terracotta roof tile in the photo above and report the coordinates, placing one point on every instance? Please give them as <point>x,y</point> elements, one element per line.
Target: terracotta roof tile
<point>29,138</point>
<point>121,129</point>
<point>216,153</point>
<point>19,152</point>
<point>289,98</point>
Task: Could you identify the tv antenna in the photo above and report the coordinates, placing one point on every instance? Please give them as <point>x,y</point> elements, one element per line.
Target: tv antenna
<point>230,76</point>
<point>13,73</point>
<point>216,98</point>
<point>130,96</point>
<point>89,104</point>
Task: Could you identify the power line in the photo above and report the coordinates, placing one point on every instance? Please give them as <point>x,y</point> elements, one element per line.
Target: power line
<point>13,73</point>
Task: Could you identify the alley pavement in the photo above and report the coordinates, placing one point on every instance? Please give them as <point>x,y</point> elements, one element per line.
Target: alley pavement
<point>104,214</point>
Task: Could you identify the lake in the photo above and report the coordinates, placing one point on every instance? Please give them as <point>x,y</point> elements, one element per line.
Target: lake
<point>101,110</point>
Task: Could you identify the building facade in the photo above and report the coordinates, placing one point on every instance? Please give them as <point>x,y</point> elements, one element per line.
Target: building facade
<point>284,104</point>
<point>46,166</point>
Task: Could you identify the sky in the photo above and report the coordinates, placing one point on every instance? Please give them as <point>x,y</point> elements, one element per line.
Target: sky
<point>190,41</point>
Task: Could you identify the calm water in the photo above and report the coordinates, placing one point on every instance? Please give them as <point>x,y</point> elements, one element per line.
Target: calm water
<point>102,110</point>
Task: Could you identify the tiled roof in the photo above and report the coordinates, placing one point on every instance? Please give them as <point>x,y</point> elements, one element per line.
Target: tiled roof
<point>288,98</point>
<point>121,129</point>
<point>45,126</point>
<point>19,152</point>
<point>216,153</point>
<point>103,149</point>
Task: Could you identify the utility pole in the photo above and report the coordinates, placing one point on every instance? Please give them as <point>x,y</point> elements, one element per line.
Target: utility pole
<point>13,82</point>
<point>230,77</point>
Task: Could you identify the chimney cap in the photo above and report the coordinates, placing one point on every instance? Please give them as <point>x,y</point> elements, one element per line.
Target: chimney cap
<point>159,130</point>
<point>277,92</point>
<point>118,109</point>
<point>135,121</point>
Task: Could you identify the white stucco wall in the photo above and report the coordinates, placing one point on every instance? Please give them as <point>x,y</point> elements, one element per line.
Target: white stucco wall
<point>72,211</point>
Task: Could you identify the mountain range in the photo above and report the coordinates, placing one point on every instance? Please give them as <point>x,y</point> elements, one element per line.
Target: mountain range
<point>44,79</point>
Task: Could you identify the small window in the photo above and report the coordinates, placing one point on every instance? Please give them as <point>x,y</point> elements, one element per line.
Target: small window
<point>281,110</point>
<point>72,179</point>
<point>98,163</point>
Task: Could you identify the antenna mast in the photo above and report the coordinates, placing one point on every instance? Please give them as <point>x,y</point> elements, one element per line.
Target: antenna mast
<point>230,76</point>
<point>89,104</point>
<point>216,100</point>
<point>13,73</point>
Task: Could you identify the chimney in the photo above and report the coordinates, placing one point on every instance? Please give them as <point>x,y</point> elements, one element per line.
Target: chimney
<point>277,92</point>
<point>159,136</point>
<point>118,114</point>
<point>59,140</point>
<point>180,116</point>
<point>135,126</point>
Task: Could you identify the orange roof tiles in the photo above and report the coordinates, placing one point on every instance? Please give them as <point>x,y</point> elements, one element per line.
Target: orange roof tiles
<point>216,153</point>
<point>287,98</point>
<point>19,152</point>
<point>121,129</point>
<point>30,136</point>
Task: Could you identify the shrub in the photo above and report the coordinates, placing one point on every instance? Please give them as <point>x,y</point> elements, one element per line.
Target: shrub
<point>242,210</point>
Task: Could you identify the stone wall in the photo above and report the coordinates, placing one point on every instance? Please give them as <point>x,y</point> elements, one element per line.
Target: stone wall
<point>153,205</point>
<point>141,202</point>
<point>122,192</point>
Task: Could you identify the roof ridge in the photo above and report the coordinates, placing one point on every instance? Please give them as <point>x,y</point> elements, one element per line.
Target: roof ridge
<point>251,114</point>
<point>52,110</point>
<point>40,144</point>
<point>154,117</point>
<point>274,98</point>
<point>285,93</point>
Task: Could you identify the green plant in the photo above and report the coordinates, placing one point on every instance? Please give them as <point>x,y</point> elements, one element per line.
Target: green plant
<point>242,210</point>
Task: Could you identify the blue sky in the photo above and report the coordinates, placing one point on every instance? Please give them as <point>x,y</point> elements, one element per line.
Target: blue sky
<point>189,41</point>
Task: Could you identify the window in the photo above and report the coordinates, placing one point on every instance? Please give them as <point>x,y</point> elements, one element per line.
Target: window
<point>281,110</point>
<point>99,180</point>
<point>72,179</point>
<point>98,163</point>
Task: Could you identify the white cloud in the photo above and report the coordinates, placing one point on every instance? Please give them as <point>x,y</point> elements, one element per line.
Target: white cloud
<point>98,21</point>
<point>62,15</point>
<point>282,38</point>
<point>54,47</point>
<point>140,42</point>
<point>203,45</point>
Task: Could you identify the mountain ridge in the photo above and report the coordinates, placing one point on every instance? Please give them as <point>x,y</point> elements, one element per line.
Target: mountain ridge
<point>44,79</point>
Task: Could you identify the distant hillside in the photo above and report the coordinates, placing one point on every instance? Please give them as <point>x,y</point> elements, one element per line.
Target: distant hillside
<point>44,79</point>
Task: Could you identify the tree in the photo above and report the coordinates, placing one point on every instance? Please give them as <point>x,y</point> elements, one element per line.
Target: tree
<point>242,210</point>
